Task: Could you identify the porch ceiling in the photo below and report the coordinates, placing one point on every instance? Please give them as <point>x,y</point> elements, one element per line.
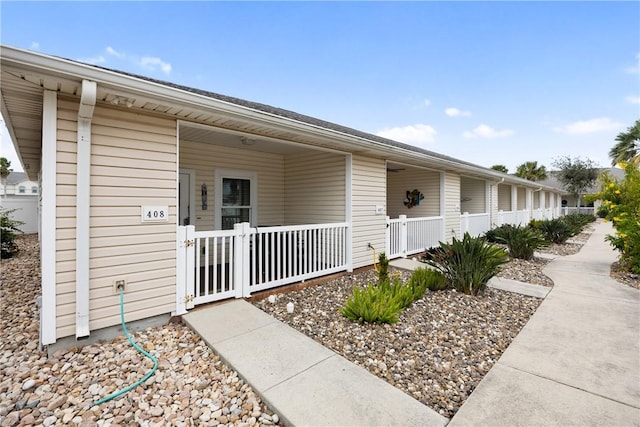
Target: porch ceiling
<point>210,135</point>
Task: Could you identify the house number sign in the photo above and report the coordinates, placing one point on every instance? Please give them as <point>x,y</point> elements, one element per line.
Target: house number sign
<point>155,213</point>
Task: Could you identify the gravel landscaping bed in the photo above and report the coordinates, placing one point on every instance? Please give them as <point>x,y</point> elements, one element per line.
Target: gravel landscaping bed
<point>438,352</point>
<point>191,386</point>
<point>624,277</point>
<point>529,271</point>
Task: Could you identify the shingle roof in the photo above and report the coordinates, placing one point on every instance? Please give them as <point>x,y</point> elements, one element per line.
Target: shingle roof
<point>17,177</point>
<point>281,112</point>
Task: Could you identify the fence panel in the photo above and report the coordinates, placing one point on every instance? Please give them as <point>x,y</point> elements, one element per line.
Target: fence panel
<point>283,255</point>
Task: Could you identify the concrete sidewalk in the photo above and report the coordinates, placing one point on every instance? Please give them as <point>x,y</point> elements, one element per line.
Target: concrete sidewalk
<point>577,361</point>
<point>305,383</point>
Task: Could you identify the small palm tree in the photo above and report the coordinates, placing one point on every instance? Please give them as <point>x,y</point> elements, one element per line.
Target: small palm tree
<point>627,148</point>
<point>531,171</point>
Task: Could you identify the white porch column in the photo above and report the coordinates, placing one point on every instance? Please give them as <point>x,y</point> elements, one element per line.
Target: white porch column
<point>48,216</point>
<point>514,198</point>
<point>443,210</point>
<point>348,214</point>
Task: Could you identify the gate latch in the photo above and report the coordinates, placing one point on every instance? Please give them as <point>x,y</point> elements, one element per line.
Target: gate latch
<point>188,243</point>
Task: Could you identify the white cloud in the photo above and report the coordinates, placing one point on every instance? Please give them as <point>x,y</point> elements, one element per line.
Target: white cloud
<point>427,102</point>
<point>633,99</point>
<point>456,112</point>
<point>413,134</point>
<point>485,131</point>
<point>95,60</point>
<point>152,62</point>
<point>120,59</point>
<point>34,46</point>
<point>584,127</point>
<point>635,69</point>
<point>113,52</point>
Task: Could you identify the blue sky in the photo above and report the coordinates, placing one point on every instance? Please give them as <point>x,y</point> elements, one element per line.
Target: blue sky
<point>485,82</point>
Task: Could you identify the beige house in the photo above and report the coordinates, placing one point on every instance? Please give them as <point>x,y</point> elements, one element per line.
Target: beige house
<point>190,197</point>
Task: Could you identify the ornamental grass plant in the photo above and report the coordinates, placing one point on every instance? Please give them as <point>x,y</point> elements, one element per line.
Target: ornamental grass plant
<point>468,263</point>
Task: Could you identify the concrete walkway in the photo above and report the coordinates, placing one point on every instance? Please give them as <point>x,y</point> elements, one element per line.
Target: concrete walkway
<point>577,361</point>
<point>305,383</point>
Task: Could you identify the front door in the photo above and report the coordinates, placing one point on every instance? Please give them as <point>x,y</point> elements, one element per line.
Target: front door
<point>186,196</point>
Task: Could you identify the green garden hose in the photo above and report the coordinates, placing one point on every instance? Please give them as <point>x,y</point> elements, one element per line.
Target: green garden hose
<point>137,347</point>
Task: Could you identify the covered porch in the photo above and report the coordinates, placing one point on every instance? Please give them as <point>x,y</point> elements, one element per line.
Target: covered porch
<point>415,209</point>
<point>257,213</point>
<point>475,206</point>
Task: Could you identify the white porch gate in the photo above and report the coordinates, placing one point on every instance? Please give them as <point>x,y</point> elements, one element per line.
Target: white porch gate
<point>408,236</point>
<point>221,264</point>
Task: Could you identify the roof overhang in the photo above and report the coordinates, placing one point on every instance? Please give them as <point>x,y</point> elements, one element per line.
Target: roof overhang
<point>26,74</point>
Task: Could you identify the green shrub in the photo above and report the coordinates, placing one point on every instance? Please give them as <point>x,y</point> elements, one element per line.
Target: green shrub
<point>577,222</point>
<point>622,200</point>
<point>383,302</point>
<point>469,263</point>
<point>372,304</point>
<point>495,235</point>
<point>522,241</point>
<point>602,211</point>
<point>8,229</point>
<point>424,278</point>
<point>555,230</point>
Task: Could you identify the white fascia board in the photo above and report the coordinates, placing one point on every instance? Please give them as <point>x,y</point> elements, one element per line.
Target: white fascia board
<point>182,98</point>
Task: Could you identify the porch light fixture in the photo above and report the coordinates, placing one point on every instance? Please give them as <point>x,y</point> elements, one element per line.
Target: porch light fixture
<point>247,141</point>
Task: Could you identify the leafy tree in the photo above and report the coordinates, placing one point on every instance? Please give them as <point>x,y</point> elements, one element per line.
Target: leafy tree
<point>627,148</point>
<point>531,171</point>
<point>576,175</point>
<point>500,168</point>
<point>5,170</point>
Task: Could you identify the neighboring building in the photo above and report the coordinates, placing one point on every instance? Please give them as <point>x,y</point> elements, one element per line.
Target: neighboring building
<point>19,185</point>
<point>22,196</point>
<point>191,196</point>
<point>569,200</point>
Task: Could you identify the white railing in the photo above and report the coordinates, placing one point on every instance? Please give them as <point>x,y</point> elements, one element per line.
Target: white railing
<point>582,210</point>
<point>537,214</point>
<point>522,217</point>
<point>507,217</point>
<point>219,264</point>
<point>474,224</point>
<point>408,236</point>
<point>283,255</point>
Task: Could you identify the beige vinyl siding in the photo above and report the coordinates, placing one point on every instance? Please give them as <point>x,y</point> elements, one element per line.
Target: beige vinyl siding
<point>475,190</point>
<point>452,205</point>
<point>133,163</point>
<point>369,190</point>
<point>205,158</point>
<point>401,181</point>
<point>314,188</point>
<point>504,197</point>
<point>522,198</point>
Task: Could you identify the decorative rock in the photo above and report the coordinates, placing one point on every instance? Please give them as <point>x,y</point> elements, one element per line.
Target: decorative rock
<point>56,403</point>
<point>49,421</point>
<point>28,384</point>
<point>156,411</point>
